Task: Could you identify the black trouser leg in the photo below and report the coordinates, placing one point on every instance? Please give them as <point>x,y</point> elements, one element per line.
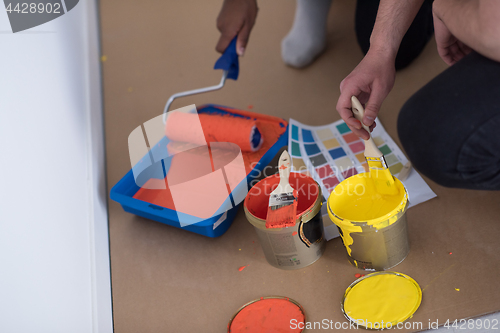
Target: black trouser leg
<point>450,128</point>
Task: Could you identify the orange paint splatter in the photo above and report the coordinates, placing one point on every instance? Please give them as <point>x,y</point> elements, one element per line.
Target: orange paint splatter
<point>250,106</point>
<point>450,253</point>
<point>357,275</point>
<point>242,268</point>
<point>294,233</point>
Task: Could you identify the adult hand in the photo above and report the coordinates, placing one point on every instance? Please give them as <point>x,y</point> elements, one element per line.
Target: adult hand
<point>449,47</point>
<point>371,81</point>
<point>236,17</point>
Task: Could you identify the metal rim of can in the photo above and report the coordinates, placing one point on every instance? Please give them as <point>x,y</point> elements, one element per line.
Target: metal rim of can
<point>305,216</point>
<point>353,284</point>
<point>263,298</point>
<point>392,217</point>
<point>400,209</point>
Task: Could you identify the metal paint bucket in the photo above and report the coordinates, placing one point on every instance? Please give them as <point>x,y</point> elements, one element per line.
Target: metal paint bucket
<point>379,242</point>
<point>292,247</point>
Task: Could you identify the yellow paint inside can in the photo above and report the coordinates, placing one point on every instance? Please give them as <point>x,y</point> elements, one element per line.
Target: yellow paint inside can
<point>381,300</point>
<point>356,201</point>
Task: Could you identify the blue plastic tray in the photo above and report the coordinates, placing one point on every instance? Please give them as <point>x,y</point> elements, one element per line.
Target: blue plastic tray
<point>215,226</point>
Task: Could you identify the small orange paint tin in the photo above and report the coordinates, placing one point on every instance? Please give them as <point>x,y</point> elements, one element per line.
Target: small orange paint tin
<point>269,314</point>
<point>291,247</point>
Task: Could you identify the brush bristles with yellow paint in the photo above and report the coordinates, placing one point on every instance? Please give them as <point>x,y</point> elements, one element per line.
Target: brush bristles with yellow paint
<point>379,171</point>
<point>282,209</point>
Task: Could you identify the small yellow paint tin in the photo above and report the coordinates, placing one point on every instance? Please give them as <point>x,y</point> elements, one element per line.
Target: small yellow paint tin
<point>381,300</point>
<point>372,225</point>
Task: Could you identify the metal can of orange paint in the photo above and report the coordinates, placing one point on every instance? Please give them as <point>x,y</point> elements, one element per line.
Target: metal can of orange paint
<point>291,247</point>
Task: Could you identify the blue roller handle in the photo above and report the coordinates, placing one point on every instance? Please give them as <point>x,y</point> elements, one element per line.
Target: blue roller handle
<point>229,61</point>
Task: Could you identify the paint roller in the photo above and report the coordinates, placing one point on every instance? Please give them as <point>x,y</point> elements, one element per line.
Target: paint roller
<point>216,128</point>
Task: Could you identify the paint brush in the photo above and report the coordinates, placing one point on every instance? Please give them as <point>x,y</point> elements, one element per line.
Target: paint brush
<point>282,209</point>
<point>379,172</point>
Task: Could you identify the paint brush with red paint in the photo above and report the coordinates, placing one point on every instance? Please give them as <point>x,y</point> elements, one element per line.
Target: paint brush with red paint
<point>282,209</point>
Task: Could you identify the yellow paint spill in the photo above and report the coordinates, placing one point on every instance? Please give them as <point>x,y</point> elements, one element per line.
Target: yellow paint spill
<point>457,289</point>
<point>382,298</point>
<point>104,58</point>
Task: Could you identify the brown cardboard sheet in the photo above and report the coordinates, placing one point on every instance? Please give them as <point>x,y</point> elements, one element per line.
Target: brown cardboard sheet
<point>169,280</point>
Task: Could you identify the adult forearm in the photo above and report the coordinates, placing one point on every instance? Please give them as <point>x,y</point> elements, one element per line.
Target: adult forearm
<point>474,22</point>
<point>394,17</point>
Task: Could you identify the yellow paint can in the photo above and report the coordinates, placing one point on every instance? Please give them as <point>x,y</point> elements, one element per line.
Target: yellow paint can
<point>372,225</point>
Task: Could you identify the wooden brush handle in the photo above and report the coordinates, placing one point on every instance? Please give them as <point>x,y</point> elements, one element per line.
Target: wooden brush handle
<point>371,149</point>
<point>284,166</point>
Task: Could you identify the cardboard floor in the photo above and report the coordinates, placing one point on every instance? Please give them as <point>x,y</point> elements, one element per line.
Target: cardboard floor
<point>169,280</point>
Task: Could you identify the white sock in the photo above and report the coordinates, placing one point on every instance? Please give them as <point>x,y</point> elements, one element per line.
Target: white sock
<point>307,38</point>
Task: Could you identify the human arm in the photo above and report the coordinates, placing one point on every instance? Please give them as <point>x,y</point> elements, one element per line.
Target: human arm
<point>372,80</point>
<point>464,25</point>
<point>236,17</point>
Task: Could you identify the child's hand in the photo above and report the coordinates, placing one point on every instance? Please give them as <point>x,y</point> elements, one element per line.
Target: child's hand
<point>236,17</point>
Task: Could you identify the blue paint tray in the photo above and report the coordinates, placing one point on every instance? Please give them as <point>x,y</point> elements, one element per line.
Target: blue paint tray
<point>125,190</point>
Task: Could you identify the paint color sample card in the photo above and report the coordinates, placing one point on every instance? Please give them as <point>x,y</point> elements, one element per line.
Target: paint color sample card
<point>332,153</point>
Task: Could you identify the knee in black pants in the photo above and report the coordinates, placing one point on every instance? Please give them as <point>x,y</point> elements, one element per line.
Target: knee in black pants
<point>453,147</point>
<point>449,128</point>
<point>421,142</point>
